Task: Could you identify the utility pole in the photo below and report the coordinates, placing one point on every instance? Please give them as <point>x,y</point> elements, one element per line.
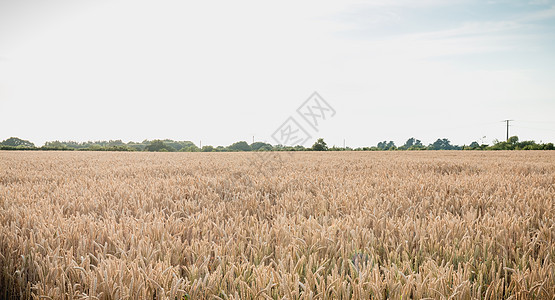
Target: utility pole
<point>200,144</point>
<point>343,143</point>
<point>507,121</point>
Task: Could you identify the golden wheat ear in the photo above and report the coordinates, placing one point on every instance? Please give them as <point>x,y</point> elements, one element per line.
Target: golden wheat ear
<point>329,225</point>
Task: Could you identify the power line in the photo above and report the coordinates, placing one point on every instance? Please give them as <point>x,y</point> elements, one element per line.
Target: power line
<point>547,129</point>
<point>542,122</point>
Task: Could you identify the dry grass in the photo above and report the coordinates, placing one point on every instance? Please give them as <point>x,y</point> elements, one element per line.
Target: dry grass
<point>459,225</point>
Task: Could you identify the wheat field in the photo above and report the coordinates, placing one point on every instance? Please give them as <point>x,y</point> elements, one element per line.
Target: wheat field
<point>332,225</point>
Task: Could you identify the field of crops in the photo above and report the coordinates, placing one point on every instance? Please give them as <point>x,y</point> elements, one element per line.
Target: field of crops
<point>331,225</point>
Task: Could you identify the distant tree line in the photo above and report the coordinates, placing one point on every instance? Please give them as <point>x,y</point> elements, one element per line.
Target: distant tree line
<point>445,144</point>
<point>168,145</point>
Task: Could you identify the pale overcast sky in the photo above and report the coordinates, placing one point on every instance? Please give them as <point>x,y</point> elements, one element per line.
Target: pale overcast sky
<point>223,71</point>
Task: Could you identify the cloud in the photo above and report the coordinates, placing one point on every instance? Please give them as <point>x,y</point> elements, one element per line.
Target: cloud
<point>539,15</point>
<point>541,2</point>
<point>409,3</point>
<point>173,63</point>
<point>475,29</point>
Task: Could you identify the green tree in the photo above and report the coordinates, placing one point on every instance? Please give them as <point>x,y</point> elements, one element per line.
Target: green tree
<point>207,149</point>
<point>159,146</point>
<point>409,143</point>
<point>320,145</point>
<point>115,143</point>
<point>17,142</point>
<point>513,144</point>
<point>192,148</point>
<point>136,146</point>
<point>386,145</point>
<point>510,144</point>
<point>513,140</point>
<point>443,144</point>
<point>260,146</point>
<point>240,146</point>
<point>412,144</point>
<point>178,145</point>
<point>55,145</point>
<point>474,145</point>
